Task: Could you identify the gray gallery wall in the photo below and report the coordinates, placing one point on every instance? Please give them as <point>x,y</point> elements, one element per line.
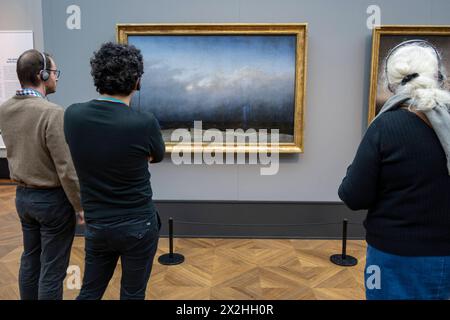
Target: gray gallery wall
<point>337,83</point>
<point>23,15</point>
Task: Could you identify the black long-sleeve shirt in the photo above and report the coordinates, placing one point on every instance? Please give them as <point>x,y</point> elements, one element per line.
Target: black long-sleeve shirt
<point>400,175</point>
<point>110,144</point>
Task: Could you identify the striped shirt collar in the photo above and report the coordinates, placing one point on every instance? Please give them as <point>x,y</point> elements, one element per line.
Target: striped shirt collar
<point>29,92</point>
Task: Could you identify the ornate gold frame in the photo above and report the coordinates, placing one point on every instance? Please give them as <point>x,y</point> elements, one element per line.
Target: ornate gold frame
<point>420,30</point>
<point>297,29</point>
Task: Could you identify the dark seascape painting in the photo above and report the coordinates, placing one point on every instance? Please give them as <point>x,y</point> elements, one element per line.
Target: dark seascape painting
<point>226,81</point>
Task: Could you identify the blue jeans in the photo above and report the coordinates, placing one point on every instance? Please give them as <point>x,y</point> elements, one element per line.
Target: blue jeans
<point>135,241</point>
<point>48,225</point>
<point>392,277</point>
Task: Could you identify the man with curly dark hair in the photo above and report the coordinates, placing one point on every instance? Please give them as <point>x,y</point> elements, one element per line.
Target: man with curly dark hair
<point>111,145</point>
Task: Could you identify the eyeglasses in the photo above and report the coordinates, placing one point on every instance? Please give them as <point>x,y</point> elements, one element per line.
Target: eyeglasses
<point>57,72</point>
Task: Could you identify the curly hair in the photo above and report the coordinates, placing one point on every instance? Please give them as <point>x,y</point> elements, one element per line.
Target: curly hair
<point>116,68</point>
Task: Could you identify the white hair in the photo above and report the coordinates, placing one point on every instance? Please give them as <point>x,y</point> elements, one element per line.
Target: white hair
<point>425,87</point>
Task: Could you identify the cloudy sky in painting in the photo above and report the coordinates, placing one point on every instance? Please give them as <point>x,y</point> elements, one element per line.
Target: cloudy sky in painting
<point>218,78</point>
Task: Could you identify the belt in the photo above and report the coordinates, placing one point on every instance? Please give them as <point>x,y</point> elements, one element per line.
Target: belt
<point>27,186</point>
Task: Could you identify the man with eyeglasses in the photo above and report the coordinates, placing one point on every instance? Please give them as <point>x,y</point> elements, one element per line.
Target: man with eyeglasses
<point>47,194</point>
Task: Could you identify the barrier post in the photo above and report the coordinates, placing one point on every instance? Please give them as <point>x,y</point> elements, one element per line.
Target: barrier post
<point>343,259</point>
<point>171,258</point>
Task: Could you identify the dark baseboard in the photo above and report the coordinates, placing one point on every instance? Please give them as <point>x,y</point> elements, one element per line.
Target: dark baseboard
<point>252,219</point>
<point>4,169</point>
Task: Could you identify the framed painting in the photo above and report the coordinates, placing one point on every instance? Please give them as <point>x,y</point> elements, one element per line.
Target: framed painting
<point>238,78</point>
<point>387,37</point>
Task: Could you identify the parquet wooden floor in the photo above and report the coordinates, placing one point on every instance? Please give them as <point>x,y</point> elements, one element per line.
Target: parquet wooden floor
<point>232,269</point>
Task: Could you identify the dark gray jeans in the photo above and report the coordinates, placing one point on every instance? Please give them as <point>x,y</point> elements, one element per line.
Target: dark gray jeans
<point>132,239</point>
<point>48,225</point>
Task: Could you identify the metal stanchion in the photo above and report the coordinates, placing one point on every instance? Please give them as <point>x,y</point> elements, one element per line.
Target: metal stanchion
<point>170,259</point>
<point>343,259</point>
